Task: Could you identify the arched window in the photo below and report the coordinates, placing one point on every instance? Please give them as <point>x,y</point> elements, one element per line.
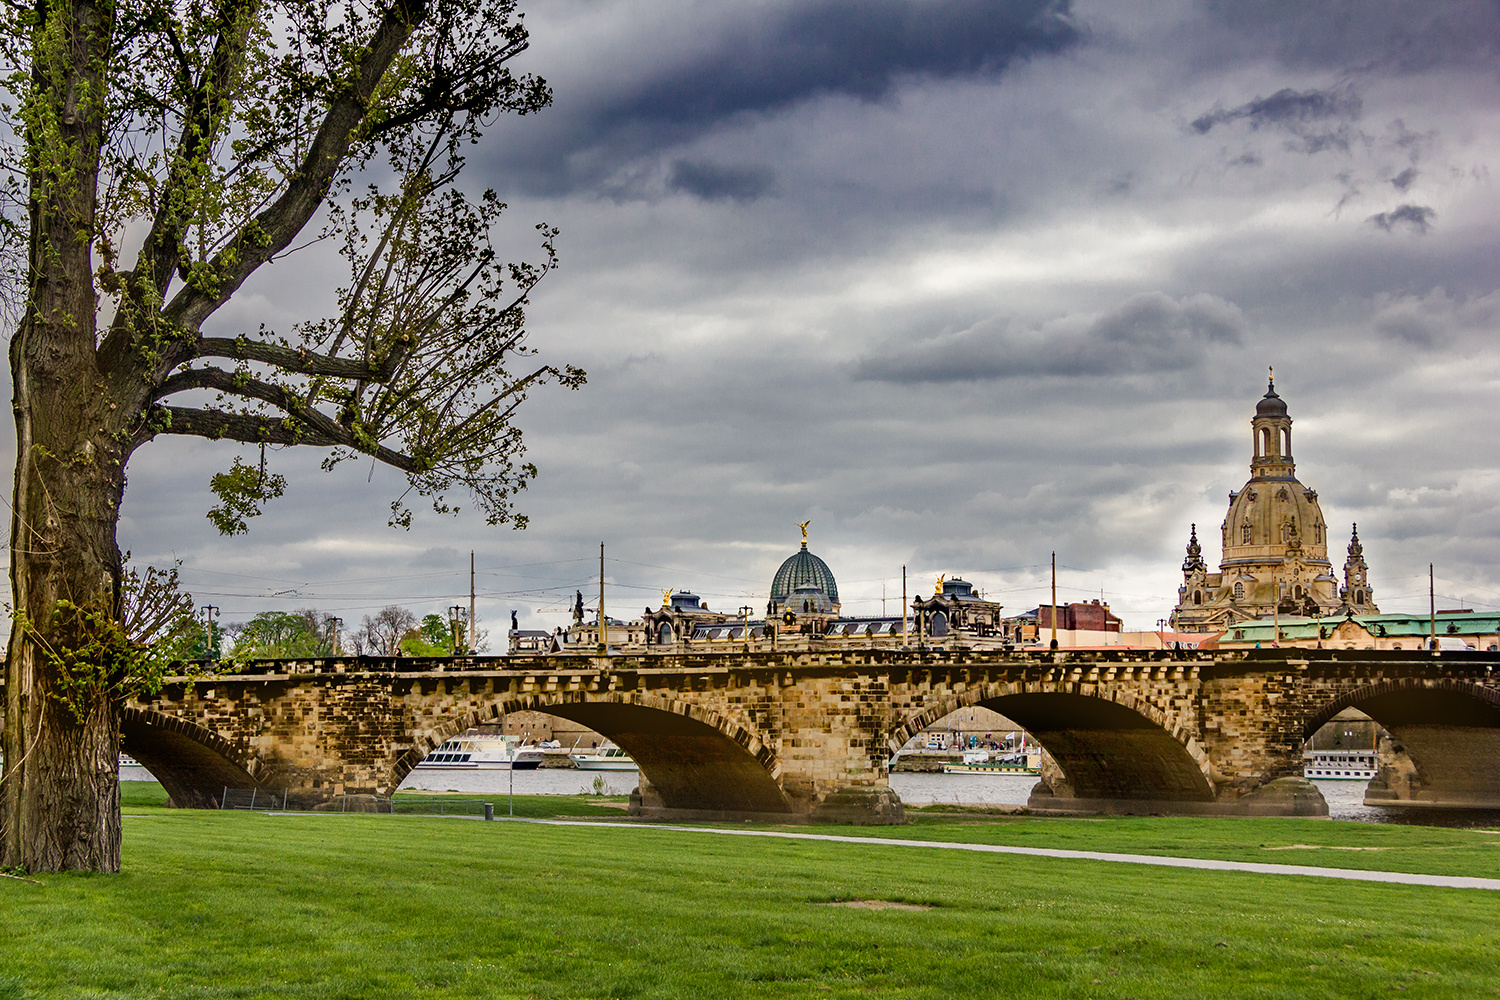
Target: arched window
<point>1197,597</point>
<point>939,624</point>
<point>1297,592</point>
<point>1286,441</point>
<point>664,634</point>
<point>1359,597</point>
<point>1265,442</point>
<point>1245,533</point>
<point>1239,591</point>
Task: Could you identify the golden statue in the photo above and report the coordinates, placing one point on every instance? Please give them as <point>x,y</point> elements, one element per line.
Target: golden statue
<point>938,590</point>
<point>666,597</point>
<point>803,525</point>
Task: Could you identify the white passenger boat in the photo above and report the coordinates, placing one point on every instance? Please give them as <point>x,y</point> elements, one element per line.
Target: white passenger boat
<point>605,757</point>
<point>1339,765</point>
<point>476,752</point>
<point>1000,762</point>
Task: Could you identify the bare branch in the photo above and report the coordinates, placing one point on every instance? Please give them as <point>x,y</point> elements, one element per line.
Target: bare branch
<point>302,361</point>
<point>273,230</point>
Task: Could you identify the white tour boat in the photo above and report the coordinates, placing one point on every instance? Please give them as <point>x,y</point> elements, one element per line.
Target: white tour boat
<point>1339,765</point>
<point>1001,762</point>
<point>605,757</point>
<point>476,752</point>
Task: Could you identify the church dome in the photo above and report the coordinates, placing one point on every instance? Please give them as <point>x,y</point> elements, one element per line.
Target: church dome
<point>802,572</point>
<point>1271,405</point>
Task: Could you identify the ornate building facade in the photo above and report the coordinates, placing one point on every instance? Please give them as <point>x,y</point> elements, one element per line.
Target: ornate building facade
<point>1275,545</point>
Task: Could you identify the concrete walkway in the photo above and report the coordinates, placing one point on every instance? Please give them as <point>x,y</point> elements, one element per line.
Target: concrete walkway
<point>1350,874</point>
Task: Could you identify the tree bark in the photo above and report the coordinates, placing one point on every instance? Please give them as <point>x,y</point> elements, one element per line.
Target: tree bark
<point>59,795</point>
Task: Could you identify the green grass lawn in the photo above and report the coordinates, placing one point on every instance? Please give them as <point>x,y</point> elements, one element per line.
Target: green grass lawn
<point>242,904</point>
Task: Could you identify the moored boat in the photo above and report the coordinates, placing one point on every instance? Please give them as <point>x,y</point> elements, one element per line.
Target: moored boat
<point>1339,765</point>
<point>605,757</point>
<point>984,762</point>
<point>477,752</point>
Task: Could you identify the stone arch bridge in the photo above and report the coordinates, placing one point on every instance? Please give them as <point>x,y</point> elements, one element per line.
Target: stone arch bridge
<point>809,734</point>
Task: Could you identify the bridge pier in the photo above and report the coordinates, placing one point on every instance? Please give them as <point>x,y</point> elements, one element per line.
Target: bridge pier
<point>1438,767</point>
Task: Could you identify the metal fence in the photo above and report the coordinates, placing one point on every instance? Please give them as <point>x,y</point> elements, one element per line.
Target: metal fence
<point>253,798</point>
<point>438,805</point>
<point>404,805</point>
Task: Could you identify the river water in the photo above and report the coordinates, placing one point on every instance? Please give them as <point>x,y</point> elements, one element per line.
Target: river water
<point>1345,798</point>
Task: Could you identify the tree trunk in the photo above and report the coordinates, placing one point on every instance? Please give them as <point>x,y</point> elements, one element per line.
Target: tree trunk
<point>59,795</point>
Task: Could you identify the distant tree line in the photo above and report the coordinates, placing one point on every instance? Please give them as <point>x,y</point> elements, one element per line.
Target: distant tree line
<point>307,632</point>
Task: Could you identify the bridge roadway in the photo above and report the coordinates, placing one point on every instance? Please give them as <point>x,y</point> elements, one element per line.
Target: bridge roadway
<point>808,734</point>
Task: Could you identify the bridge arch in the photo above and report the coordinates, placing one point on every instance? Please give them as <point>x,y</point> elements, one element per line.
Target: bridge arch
<point>193,764</point>
<point>1404,700</point>
<point>1109,741</point>
<point>1448,730</point>
<point>691,757</point>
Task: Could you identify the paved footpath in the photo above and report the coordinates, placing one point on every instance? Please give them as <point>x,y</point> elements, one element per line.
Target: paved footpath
<point>1351,874</point>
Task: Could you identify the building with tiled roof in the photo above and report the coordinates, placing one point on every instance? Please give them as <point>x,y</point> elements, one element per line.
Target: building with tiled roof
<point>1451,629</point>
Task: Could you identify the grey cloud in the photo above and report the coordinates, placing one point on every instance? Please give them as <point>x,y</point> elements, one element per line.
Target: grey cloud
<point>1437,318</point>
<point>787,55</point>
<point>1304,114</point>
<point>444,556</point>
<point>1285,107</point>
<point>1405,179</point>
<point>1418,217</point>
<point>711,181</point>
<point>1150,332</point>
<point>1401,36</point>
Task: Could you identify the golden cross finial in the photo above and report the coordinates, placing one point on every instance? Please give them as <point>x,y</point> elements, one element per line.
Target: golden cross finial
<point>803,525</point>
<point>1271,372</point>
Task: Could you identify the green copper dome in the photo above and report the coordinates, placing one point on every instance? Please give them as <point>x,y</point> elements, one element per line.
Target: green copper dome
<point>801,572</point>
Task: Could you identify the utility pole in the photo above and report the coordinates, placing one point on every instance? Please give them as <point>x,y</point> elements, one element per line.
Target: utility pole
<point>471,601</point>
<point>1431,609</point>
<point>603,627</point>
<point>1054,602</point>
<point>904,636</point>
<point>336,625</point>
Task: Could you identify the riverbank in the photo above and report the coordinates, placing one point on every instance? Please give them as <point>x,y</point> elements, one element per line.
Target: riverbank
<point>244,904</point>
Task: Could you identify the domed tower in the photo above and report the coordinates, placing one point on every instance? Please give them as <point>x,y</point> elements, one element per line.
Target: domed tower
<point>1275,541</point>
<point>804,585</point>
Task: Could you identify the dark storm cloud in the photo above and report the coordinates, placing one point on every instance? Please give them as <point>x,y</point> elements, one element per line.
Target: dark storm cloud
<point>712,182</point>
<point>1150,332</point>
<point>1401,36</point>
<point>1405,179</point>
<point>788,55</point>
<point>1304,114</point>
<point>1418,217</point>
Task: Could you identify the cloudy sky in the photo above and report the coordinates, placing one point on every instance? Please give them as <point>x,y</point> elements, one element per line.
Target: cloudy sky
<point>965,283</point>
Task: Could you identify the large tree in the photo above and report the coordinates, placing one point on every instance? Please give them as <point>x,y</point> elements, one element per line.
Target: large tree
<point>168,152</point>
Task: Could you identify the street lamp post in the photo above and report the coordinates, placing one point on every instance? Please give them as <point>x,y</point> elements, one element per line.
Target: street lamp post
<point>745,610</point>
<point>455,628</point>
<point>210,640</point>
